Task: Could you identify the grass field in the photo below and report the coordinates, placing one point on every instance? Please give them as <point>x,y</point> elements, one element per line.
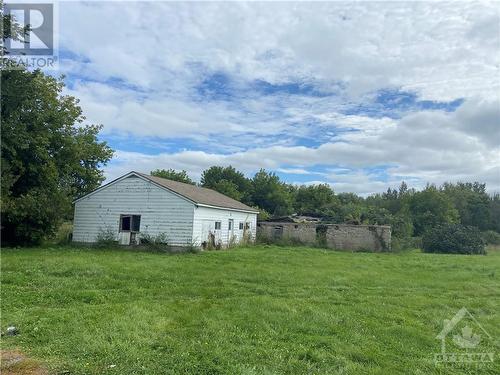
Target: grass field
<point>259,310</point>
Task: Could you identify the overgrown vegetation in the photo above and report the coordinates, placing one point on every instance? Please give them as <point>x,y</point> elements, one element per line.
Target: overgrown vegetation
<point>491,237</point>
<point>263,239</point>
<point>64,234</point>
<point>105,237</point>
<point>192,247</point>
<point>155,242</point>
<point>453,238</point>
<point>263,310</point>
<point>405,243</point>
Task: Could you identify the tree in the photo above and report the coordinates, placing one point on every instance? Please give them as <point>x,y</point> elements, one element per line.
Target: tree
<point>271,194</point>
<point>314,199</point>
<point>471,201</point>
<point>172,174</point>
<point>49,157</point>
<point>229,181</point>
<point>430,208</point>
<point>228,188</point>
<point>11,29</point>
<point>494,209</point>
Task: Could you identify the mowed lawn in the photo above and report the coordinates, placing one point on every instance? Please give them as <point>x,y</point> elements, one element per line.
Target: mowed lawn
<point>258,310</point>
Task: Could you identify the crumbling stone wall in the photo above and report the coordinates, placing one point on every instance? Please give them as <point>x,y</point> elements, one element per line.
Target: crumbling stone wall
<point>335,236</point>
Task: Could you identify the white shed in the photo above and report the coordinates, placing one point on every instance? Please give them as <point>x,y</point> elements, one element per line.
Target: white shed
<point>137,204</point>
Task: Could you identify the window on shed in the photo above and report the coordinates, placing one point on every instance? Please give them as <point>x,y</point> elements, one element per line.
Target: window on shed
<point>130,223</point>
<point>218,225</point>
<point>125,223</point>
<point>247,225</point>
<point>136,223</point>
<point>241,225</point>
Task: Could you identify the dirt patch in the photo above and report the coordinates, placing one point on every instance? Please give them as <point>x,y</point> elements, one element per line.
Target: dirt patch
<point>16,363</point>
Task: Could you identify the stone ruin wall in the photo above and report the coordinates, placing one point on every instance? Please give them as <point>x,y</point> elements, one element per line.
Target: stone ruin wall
<point>336,236</point>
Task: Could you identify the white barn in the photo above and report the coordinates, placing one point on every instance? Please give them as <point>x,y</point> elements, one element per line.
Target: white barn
<point>137,204</point>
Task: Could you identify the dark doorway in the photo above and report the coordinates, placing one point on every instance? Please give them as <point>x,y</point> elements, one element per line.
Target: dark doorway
<point>321,235</point>
<point>278,232</point>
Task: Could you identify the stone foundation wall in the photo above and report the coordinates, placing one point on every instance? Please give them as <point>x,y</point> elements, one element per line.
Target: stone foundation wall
<point>335,236</point>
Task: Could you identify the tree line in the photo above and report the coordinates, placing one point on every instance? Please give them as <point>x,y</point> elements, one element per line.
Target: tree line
<point>410,212</point>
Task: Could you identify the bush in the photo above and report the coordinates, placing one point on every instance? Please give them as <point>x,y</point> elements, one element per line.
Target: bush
<point>491,237</point>
<point>453,239</point>
<point>405,243</point>
<point>286,241</point>
<point>63,235</point>
<point>192,247</point>
<point>105,237</point>
<point>158,242</point>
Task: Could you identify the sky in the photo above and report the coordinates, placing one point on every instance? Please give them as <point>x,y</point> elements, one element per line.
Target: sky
<point>357,95</point>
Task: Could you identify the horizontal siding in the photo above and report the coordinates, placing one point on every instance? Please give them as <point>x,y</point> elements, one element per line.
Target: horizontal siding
<point>204,222</point>
<point>161,211</point>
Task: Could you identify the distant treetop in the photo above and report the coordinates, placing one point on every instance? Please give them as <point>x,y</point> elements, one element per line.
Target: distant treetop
<point>172,174</point>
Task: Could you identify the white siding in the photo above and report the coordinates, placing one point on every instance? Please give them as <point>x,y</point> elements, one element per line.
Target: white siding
<point>205,218</point>
<point>161,211</point>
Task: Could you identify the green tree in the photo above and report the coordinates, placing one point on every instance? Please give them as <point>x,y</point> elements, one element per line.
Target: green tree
<point>314,199</point>
<point>271,194</point>
<point>494,209</point>
<point>228,188</point>
<point>11,29</point>
<point>172,174</point>
<point>472,202</point>
<point>430,208</point>
<point>49,157</point>
<point>229,181</point>
<point>376,215</point>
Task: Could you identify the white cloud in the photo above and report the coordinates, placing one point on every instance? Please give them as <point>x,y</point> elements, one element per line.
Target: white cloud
<point>424,147</point>
<point>441,50</point>
<point>139,64</point>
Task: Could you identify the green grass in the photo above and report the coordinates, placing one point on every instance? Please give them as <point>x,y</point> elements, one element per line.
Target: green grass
<point>260,310</point>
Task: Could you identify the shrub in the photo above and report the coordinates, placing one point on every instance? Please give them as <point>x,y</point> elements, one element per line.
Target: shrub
<point>406,243</point>
<point>263,239</point>
<point>453,239</point>
<point>491,237</point>
<point>192,247</point>
<point>105,237</point>
<point>232,242</point>
<point>158,242</point>
<point>64,234</point>
<point>212,243</point>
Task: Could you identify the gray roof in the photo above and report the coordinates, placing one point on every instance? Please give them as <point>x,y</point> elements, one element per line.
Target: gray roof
<point>199,195</point>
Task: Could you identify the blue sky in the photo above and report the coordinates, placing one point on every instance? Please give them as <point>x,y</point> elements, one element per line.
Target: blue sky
<point>358,95</point>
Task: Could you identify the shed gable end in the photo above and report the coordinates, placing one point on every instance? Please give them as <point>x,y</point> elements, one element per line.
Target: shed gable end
<point>161,211</point>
